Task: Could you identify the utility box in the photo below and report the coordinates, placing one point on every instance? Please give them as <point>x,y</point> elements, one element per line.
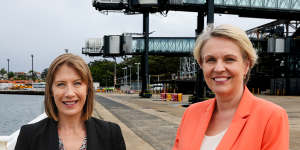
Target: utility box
<point>288,44</point>
<point>94,44</point>
<point>175,2</point>
<point>149,5</point>
<point>144,2</point>
<point>126,42</point>
<point>112,45</point>
<point>271,45</point>
<point>279,45</point>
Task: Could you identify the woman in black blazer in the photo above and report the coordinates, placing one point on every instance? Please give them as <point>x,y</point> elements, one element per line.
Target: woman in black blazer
<point>69,98</point>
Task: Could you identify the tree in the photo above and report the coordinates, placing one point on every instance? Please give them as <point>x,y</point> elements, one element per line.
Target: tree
<point>34,77</point>
<point>44,73</point>
<point>158,66</point>
<point>103,72</point>
<point>10,75</point>
<point>3,71</point>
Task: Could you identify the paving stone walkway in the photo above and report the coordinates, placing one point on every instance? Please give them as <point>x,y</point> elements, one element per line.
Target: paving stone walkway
<point>159,133</point>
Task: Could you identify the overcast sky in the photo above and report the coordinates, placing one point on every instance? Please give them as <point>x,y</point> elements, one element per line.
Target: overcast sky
<point>45,28</point>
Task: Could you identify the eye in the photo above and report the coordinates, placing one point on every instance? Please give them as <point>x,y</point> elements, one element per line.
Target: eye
<point>60,84</point>
<point>77,83</point>
<point>210,60</point>
<point>229,59</point>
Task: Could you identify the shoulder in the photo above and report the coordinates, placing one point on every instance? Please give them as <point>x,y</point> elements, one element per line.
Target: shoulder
<point>30,134</point>
<point>38,126</point>
<point>266,113</point>
<point>265,107</point>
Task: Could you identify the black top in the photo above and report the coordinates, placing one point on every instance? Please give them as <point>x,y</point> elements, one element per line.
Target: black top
<point>101,135</point>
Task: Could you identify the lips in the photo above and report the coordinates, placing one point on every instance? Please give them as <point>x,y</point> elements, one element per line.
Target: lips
<point>221,79</point>
<point>70,103</point>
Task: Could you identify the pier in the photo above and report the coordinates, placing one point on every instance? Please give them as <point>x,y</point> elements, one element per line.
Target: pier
<point>23,92</point>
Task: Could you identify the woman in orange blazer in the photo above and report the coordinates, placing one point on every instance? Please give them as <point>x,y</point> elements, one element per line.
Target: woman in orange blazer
<point>235,119</point>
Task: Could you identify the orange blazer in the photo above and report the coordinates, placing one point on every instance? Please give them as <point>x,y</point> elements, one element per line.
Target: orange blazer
<point>257,125</point>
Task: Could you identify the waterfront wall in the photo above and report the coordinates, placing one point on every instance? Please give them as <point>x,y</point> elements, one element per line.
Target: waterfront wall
<point>23,92</point>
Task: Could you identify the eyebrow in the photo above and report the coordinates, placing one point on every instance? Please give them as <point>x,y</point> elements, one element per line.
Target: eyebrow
<point>227,55</point>
<point>64,81</point>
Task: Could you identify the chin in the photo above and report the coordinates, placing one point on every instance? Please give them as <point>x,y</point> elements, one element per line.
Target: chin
<point>71,113</point>
<point>222,90</point>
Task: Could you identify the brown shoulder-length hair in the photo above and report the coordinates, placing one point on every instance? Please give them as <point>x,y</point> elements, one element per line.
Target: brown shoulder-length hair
<point>83,70</point>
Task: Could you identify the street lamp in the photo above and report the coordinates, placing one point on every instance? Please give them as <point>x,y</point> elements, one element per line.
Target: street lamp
<point>129,66</point>
<point>32,66</point>
<point>7,67</point>
<point>124,79</point>
<point>138,79</point>
<point>115,73</point>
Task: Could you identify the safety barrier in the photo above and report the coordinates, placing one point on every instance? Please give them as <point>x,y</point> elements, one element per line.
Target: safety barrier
<point>171,97</point>
<point>9,142</point>
<point>276,92</point>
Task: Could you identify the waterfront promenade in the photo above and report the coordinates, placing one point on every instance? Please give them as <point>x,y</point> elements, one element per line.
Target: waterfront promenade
<point>151,124</point>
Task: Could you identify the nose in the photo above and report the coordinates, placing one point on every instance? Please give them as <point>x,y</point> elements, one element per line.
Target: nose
<point>220,66</point>
<point>70,91</point>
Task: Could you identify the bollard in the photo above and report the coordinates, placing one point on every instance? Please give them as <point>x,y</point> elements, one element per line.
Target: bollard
<point>163,96</point>
<point>180,97</point>
<point>174,97</point>
<point>169,96</point>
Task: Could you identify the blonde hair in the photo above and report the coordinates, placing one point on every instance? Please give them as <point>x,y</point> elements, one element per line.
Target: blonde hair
<point>230,32</point>
<point>83,70</point>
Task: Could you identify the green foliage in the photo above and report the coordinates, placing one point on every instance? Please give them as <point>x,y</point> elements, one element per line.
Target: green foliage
<point>103,72</point>
<point>11,74</point>
<point>3,71</point>
<point>44,73</point>
<point>32,76</point>
<point>161,66</point>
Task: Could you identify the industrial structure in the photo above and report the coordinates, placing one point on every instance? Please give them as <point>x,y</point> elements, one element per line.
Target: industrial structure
<point>277,71</point>
<point>278,46</point>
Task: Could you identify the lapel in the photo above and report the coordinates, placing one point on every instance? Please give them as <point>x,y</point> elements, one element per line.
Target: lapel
<point>239,120</point>
<point>94,139</point>
<point>203,124</point>
<point>52,136</point>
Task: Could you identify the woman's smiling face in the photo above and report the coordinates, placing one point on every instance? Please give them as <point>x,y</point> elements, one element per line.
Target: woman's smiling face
<point>223,66</point>
<point>69,91</point>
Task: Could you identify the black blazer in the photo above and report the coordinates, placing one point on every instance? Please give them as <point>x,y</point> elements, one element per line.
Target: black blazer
<point>43,135</point>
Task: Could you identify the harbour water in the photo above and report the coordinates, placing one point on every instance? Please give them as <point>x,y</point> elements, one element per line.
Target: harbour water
<point>17,110</point>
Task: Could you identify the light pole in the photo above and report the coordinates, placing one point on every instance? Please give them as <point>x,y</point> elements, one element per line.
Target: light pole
<point>129,66</point>
<point>7,67</point>
<point>138,75</point>
<point>115,73</point>
<point>124,79</point>
<point>32,66</point>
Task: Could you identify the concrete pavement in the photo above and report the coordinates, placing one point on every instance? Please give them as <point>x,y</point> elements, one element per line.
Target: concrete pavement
<point>152,124</point>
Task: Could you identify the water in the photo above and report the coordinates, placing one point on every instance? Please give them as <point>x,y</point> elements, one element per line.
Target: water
<point>17,110</point>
